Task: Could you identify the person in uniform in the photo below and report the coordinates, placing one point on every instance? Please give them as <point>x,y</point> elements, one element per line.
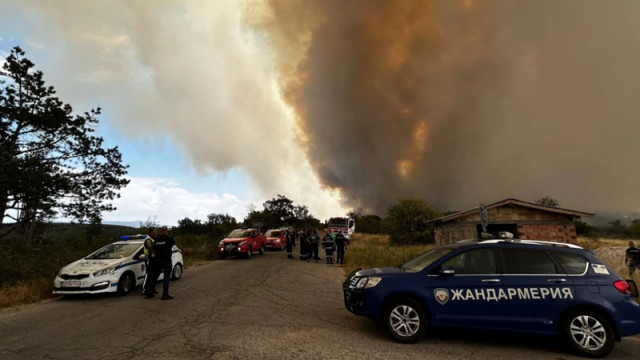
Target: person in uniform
<point>632,258</point>
<point>314,239</point>
<point>151,264</point>
<point>161,263</point>
<point>289,240</point>
<point>340,245</point>
<point>329,245</point>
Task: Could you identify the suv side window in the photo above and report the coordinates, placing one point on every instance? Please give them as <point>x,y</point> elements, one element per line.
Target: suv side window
<point>473,262</point>
<point>527,261</point>
<point>571,263</point>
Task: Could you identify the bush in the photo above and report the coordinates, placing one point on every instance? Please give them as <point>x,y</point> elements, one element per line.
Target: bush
<point>407,222</point>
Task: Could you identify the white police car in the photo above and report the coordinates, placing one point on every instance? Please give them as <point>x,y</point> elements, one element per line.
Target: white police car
<point>118,267</point>
<point>509,285</point>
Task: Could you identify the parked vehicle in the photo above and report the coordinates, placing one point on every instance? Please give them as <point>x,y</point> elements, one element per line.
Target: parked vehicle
<point>342,224</point>
<point>509,285</point>
<point>117,267</point>
<point>242,242</point>
<point>276,239</point>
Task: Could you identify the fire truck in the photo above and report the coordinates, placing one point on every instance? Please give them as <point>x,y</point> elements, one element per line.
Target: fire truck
<point>343,224</point>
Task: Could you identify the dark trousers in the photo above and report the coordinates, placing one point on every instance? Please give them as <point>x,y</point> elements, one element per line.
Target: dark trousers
<point>314,251</point>
<point>153,272</point>
<point>329,255</point>
<point>340,259</point>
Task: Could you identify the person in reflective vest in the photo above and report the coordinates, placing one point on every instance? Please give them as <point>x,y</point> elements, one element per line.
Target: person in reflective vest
<point>329,245</point>
<point>149,254</point>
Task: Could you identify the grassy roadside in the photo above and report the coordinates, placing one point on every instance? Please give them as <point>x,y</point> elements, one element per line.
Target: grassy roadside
<point>366,251</point>
<point>27,271</point>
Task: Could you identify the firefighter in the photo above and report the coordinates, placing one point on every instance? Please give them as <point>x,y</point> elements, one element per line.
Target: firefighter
<point>341,242</point>
<point>314,239</point>
<point>150,264</point>
<point>289,239</point>
<point>329,245</point>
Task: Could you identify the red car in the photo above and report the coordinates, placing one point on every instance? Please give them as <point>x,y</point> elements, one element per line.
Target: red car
<point>242,242</point>
<point>276,239</point>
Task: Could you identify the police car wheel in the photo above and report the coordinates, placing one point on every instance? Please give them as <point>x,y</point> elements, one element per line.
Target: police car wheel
<point>126,283</point>
<point>589,333</point>
<point>177,272</point>
<point>406,320</point>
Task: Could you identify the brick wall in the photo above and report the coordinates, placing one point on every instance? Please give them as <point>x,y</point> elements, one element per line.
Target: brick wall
<point>560,233</point>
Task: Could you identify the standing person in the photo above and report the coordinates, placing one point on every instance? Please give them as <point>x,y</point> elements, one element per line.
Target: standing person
<point>632,257</point>
<point>149,284</point>
<point>328,244</point>
<point>314,239</point>
<point>164,249</point>
<point>303,246</point>
<point>340,244</point>
<point>289,240</point>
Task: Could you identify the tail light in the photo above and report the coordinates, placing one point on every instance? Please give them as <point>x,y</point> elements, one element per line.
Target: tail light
<point>622,286</point>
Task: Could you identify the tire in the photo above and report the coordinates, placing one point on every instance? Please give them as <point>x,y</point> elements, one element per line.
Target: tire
<point>223,256</point>
<point>126,283</point>
<point>176,273</point>
<point>261,251</point>
<point>589,333</point>
<point>405,320</point>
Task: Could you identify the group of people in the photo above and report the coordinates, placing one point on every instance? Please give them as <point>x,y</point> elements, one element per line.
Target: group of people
<point>158,250</point>
<point>310,243</point>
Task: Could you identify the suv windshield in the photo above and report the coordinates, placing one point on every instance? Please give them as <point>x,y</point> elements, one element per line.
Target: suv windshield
<point>115,251</point>
<point>239,233</point>
<point>425,259</point>
<point>273,233</point>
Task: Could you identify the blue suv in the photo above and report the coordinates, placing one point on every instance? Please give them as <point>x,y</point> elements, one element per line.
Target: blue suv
<point>515,285</point>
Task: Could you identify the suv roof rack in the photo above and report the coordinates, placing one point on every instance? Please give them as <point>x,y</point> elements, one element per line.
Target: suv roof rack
<point>531,242</point>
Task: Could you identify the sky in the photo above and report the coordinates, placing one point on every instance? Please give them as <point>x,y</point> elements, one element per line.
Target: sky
<point>220,105</point>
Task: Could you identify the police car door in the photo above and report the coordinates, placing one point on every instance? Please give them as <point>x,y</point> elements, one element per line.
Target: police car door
<point>467,297</point>
<point>535,289</point>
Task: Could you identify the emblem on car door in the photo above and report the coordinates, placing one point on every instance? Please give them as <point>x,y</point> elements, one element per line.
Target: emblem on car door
<point>441,295</point>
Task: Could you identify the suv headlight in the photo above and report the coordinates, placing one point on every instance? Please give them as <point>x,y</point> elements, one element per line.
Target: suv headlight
<point>106,271</point>
<point>365,282</point>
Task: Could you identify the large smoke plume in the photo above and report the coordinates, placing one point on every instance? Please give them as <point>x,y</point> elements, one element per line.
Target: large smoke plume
<point>462,102</point>
<point>457,102</point>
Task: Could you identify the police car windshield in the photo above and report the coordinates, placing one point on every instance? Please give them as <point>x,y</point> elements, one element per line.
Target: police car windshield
<point>114,251</point>
<point>273,233</point>
<point>239,234</point>
<point>425,259</point>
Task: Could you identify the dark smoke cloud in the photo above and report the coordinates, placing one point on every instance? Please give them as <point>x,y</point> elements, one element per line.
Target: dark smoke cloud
<point>461,102</point>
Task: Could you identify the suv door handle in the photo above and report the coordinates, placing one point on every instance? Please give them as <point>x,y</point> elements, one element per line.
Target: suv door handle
<point>491,280</point>
<point>556,280</point>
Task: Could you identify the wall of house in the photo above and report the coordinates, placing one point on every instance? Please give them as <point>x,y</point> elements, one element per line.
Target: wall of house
<point>531,224</point>
<point>561,233</point>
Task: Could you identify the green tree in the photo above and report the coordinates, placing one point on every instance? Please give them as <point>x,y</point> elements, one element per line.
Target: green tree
<point>548,201</point>
<point>50,161</point>
<point>407,222</point>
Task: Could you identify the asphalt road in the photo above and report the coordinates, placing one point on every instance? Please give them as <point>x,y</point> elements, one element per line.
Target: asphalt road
<point>266,307</point>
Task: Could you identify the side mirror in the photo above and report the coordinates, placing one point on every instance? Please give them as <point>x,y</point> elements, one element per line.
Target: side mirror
<point>447,270</point>
<point>141,257</point>
<point>633,288</point>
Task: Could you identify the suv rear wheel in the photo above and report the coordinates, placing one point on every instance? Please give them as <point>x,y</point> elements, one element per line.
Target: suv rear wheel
<point>405,319</point>
<point>589,333</point>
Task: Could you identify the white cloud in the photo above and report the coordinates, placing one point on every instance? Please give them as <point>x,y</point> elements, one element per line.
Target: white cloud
<point>167,202</point>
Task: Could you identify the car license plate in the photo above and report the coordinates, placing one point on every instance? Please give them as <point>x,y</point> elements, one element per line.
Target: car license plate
<point>71,283</point>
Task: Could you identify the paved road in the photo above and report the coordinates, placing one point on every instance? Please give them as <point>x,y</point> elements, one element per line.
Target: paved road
<point>263,308</point>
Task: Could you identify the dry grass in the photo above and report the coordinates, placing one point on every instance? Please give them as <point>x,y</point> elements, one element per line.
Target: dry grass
<point>368,251</point>
<point>26,293</point>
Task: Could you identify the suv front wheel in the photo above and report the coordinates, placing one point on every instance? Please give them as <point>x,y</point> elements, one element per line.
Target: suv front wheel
<point>405,319</point>
<point>589,333</point>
